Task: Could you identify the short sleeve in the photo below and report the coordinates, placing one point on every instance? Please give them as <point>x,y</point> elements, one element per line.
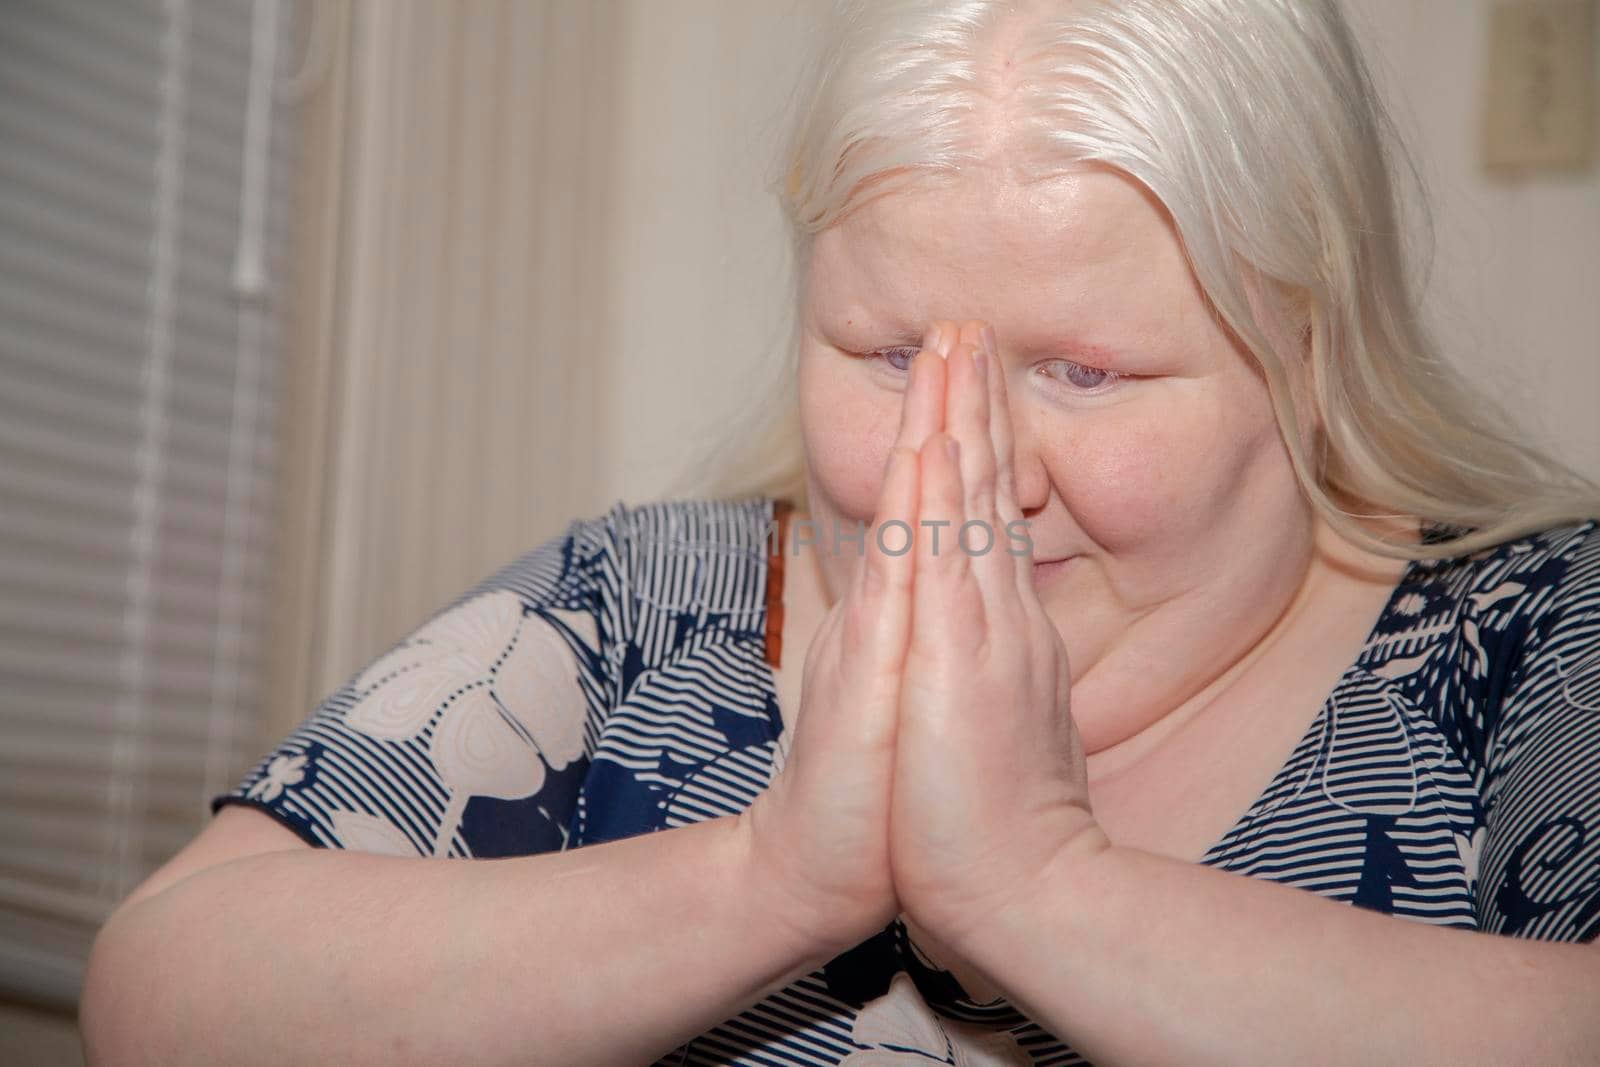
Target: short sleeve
<point>472,736</point>
<point>1540,861</point>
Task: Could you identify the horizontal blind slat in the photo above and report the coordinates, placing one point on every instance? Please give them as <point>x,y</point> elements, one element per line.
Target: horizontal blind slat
<point>52,666</point>
<point>130,26</point>
<point>48,263</point>
<point>174,755</point>
<point>94,416</point>
<point>199,473</point>
<point>23,532</point>
<point>77,706</point>
<point>37,488</point>
<point>88,414</point>
<point>36,349</point>
<point>183,797</point>
<point>84,906</point>
<point>28,303</point>
<point>179,634</point>
<point>84,214</point>
<point>64,119</point>
<point>103,69</point>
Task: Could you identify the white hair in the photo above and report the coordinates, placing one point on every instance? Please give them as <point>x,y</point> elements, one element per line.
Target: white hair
<point>1257,126</point>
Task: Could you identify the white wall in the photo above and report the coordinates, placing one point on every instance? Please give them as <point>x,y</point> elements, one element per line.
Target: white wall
<point>699,280</point>
<point>1515,292</point>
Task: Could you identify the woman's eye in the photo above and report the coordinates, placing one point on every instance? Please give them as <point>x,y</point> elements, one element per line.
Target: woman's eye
<point>899,357</point>
<point>1085,378</point>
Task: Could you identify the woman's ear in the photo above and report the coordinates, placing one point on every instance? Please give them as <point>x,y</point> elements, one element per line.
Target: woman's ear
<point>1310,370</point>
<point>1286,318</point>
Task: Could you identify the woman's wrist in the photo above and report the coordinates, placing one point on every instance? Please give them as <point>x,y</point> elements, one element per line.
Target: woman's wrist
<point>815,932</point>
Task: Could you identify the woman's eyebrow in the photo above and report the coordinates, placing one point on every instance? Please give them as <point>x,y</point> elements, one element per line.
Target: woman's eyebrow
<point>1066,343</point>
<point>1093,353</point>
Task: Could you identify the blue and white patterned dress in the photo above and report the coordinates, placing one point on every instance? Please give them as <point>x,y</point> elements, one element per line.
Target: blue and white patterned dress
<point>615,681</point>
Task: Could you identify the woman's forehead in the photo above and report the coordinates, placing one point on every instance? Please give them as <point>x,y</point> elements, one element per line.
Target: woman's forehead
<point>1059,241</point>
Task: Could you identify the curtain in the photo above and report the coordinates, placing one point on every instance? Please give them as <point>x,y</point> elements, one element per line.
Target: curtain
<point>452,412</point>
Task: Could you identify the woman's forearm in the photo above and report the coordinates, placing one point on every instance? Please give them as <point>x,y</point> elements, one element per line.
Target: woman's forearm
<point>1135,957</point>
<point>608,954</point>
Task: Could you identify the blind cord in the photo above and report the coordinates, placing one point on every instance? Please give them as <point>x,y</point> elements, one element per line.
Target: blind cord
<point>124,827</point>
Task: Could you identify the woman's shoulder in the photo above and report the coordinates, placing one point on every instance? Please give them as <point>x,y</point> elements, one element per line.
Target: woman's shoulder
<point>698,556</point>
<point>687,525</point>
<point>1526,622</point>
<point>634,547</point>
<point>1529,574</point>
<point>680,564</point>
<point>1536,621</point>
<point>683,524</point>
<point>1462,633</point>
<point>1551,586</point>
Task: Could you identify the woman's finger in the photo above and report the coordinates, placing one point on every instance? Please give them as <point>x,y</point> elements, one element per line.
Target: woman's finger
<point>922,412</point>
<point>1003,437</point>
<point>966,417</point>
<point>888,563</point>
<point>1000,429</point>
<point>947,605</point>
<point>981,534</point>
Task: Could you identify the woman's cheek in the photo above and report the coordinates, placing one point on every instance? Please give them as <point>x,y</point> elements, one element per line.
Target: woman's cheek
<point>848,433</point>
<point>1148,486</point>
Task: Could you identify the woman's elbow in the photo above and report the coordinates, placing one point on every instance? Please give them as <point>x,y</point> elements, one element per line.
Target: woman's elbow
<point>117,1014</point>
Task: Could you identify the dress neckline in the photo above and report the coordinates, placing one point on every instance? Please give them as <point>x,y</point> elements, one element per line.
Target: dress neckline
<point>773,623</point>
<point>1317,729</point>
<point>1418,572</point>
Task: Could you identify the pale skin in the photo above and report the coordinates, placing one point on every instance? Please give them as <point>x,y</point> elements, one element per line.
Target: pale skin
<point>1022,698</point>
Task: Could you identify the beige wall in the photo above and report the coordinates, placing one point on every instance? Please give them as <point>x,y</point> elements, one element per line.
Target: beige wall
<point>697,266</point>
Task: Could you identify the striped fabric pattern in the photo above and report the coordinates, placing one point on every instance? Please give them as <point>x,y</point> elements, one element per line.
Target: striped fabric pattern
<point>612,682</point>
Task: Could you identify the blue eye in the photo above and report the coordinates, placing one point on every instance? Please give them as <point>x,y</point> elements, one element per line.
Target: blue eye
<point>898,357</point>
<point>1092,383</point>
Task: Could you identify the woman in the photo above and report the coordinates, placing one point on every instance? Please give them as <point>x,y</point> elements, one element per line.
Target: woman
<point>1283,713</point>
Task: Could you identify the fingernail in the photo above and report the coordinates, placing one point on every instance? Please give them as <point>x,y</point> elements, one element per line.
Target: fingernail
<point>930,338</point>
<point>987,333</point>
<point>980,360</point>
<point>952,448</point>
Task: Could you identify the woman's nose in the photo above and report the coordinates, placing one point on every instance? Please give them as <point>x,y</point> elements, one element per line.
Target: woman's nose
<point>1027,466</point>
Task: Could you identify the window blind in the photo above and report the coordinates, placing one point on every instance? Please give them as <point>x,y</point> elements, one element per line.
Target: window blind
<point>145,166</point>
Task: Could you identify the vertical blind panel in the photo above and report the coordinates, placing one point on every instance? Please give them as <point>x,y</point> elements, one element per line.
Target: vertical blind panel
<point>138,451</point>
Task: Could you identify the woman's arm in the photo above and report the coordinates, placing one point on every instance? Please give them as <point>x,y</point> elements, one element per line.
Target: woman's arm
<point>1134,957</point>
<point>608,954</point>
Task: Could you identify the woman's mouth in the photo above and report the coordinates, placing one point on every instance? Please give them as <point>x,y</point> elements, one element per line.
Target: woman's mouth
<point>1048,569</point>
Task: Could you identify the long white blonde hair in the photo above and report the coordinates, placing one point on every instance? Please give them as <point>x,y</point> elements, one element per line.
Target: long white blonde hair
<point>1257,126</point>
